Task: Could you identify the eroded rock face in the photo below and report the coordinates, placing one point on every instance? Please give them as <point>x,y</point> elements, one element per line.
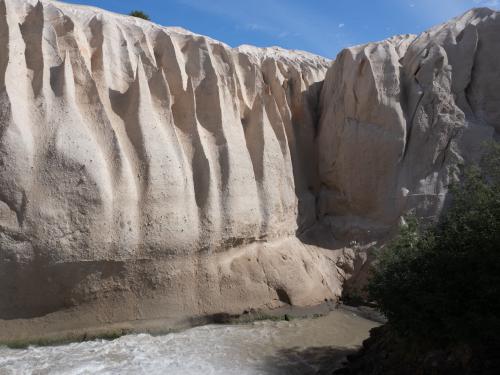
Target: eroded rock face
<point>133,157</point>
<point>398,118</point>
<point>148,173</point>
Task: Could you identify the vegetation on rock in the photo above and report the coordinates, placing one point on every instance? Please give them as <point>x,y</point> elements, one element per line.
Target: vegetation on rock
<point>439,286</point>
<point>443,283</point>
<point>139,14</point>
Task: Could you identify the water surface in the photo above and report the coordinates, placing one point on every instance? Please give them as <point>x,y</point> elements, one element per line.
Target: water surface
<point>305,346</point>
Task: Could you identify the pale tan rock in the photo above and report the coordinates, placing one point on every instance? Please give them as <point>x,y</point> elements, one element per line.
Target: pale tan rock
<point>149,175</point>
<point>399,116</point>
<point>140,163</point>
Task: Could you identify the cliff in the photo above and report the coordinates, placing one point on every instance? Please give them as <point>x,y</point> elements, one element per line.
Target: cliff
<point>399,120</point>
<point>399,116</point>
<point>148,173</point>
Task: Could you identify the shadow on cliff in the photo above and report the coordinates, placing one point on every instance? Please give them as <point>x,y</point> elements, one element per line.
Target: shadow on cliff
<point>299,361</point>
<point>39,288</point>
<point>305,120</point>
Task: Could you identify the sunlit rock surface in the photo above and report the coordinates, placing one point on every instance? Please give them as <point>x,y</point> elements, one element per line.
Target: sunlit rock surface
<point>146,163</point>
<point>151,174</point>
<point>398,118</point>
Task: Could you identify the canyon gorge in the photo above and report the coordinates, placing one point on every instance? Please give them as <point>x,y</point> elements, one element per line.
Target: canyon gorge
<point>150,176</point>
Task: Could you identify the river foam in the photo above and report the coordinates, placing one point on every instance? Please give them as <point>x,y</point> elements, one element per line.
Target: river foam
<point>308,346</point>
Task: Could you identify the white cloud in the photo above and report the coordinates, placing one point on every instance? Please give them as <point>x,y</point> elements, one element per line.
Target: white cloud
<point>488,3</point>
<point>258,27</point>
<point>268,30</point>
<point>341,25</point>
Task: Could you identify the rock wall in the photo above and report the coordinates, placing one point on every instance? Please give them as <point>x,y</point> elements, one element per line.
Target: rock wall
<point>399,118</point>
<point>135,159</point>
<point>151,174</point>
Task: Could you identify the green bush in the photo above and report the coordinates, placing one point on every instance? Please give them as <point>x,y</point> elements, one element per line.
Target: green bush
<point>441,284</point>
<point>139,14</point>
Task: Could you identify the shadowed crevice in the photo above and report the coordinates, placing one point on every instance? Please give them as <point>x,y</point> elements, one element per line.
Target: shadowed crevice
<point>32,33</point>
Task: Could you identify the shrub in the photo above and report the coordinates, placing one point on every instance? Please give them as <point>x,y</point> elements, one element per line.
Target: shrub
<point>139,14</point>
<point>442,284</point>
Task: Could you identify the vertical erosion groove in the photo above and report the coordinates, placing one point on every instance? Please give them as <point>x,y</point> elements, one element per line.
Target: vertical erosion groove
<point>5,107</point>
<point>163,88</point>
<point>4,62</point>
<point>127,106</point>
<point>253,126</point>
<point>185,118</point>
<point>209,115</point>
<point>200,164</point>
<point>4,46</point>
<point>32,33</point>
<point>271,98</point>
<point>96,44</point>
<point>90,99</point>
<point>15,200</point>
<point>58,78</point>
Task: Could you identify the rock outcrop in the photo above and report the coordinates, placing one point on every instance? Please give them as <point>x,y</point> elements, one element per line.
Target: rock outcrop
<point>152,169</point>
<point>398,119</point>
<point>151,174</point>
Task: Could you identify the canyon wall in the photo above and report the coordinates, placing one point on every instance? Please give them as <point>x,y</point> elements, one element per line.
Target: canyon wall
<point>152,169</point>
<point>400,117</point>
<point>148,173</point>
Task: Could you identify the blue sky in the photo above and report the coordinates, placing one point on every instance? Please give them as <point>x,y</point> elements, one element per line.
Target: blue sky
<point>319,26</point>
